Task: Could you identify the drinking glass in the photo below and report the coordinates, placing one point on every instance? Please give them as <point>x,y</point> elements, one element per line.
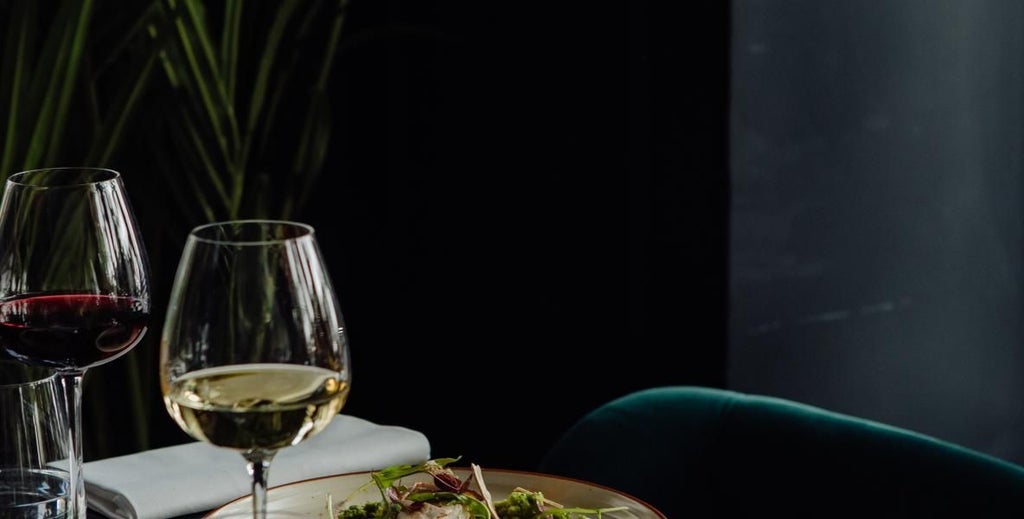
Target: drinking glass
<point>74,282</point>
<point>33,444</point>
<point>254,355</point>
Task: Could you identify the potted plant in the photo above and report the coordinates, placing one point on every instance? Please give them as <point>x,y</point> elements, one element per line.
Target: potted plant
<point>222,105</point>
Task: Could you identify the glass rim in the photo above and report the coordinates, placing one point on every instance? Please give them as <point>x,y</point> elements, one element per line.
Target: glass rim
<point>197,233</point>
<point>31,383</point>
<point>15,178</point>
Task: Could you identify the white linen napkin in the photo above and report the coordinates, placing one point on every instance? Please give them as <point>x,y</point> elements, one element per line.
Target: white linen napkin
<point>195,477</point>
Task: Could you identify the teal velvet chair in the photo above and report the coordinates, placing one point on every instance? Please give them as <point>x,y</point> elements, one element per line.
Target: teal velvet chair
<point>703,452</point>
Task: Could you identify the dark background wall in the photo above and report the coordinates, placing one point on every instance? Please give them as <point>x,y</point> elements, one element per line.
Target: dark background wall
<point>529,212</point>
<point>876,231</point>
<point>524,212</point>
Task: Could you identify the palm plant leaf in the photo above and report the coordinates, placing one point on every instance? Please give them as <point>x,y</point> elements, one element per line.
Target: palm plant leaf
<point>284,13</point>
<point>238,98</point>
<point>47,72</point>
<point>67,79</point>
<point>205,66</point>
<point>52,66</point>
<point>17,54</point>
<point>111,131</point>
<point>229,45</point>
<point>316,131</point>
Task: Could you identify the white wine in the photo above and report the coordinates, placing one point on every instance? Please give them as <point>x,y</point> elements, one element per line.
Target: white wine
<point>256,406</point>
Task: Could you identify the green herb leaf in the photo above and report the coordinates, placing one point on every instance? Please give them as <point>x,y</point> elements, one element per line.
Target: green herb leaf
<point>389,476</point>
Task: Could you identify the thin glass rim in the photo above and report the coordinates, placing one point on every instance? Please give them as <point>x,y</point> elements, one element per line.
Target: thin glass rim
<point>15,178</point>
<point>307,232</point>
<point>30,384</point>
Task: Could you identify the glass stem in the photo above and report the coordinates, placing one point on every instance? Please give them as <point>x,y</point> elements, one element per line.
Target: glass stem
<point>259,467</point>
<point>71,382</point>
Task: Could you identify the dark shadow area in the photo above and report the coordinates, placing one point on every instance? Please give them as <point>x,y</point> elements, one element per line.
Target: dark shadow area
<point>524,212</point>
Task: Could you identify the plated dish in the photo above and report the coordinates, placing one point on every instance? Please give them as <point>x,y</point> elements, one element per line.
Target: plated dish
<point>309,498</point>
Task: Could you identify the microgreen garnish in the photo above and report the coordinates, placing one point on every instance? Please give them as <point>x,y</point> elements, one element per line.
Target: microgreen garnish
<point>447,489</point>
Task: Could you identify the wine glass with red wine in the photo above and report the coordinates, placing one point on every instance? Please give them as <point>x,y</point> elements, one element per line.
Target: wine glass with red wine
<point>74,282</point>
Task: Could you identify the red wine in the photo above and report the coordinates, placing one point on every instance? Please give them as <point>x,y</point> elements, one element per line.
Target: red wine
<point>71,330</point>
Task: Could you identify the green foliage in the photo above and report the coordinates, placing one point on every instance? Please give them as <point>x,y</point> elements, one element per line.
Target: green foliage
<point>64,99</point>
<point>225,103</point>
<point>250,119</point>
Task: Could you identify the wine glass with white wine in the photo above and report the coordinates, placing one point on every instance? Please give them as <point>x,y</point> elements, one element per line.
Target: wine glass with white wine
<point>254,355</point>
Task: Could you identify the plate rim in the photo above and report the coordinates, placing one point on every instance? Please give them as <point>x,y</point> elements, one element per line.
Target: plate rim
<point>658,513</point>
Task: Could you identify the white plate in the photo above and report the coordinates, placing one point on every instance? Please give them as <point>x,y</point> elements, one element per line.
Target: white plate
<point>309,498</point>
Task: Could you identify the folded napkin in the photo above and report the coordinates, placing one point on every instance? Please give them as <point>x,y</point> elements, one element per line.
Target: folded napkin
<point>195,477</point>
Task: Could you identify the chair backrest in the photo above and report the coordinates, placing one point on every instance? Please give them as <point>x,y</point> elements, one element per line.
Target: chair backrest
<point>708,452</point>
